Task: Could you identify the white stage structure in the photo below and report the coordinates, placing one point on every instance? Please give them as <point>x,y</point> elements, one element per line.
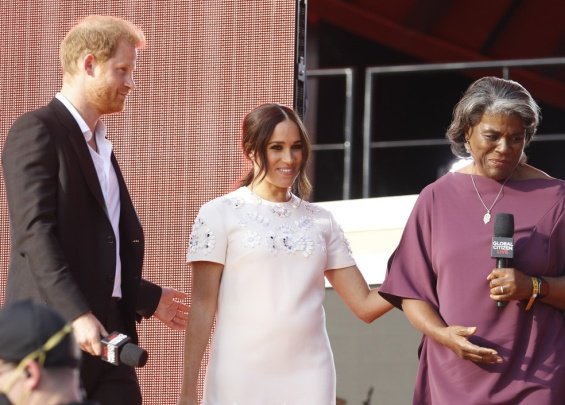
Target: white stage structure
<point>373,227</point>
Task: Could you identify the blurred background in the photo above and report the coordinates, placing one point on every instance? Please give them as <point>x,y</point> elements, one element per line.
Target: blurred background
<point>380,127</point>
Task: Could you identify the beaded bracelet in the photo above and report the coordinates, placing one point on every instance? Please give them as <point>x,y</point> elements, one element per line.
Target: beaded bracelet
<point>542,282</point>
<point>535,291</point>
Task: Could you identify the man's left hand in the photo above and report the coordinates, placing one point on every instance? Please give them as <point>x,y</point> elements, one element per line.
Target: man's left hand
<point>170,311</point>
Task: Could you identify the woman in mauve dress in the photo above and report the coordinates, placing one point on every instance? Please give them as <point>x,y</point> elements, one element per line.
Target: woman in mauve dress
<point>475,350</point>
<point>259,256</point>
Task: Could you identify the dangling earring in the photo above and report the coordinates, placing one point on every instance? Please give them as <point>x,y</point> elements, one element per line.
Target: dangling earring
<point>467,147</point>
<point>523,159</point>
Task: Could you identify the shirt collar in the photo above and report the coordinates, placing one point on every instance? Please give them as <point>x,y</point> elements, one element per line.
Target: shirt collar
<point>100,126</point>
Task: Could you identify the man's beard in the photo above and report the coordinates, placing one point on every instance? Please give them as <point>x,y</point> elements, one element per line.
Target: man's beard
<point>106,100</point>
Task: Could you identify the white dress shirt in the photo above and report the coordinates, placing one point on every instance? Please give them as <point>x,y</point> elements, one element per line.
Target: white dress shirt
<point>107,178</point>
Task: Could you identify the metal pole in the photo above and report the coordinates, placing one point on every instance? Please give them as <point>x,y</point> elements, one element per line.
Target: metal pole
<point>346,146</point>
<point>367,132</point>
<point>348,134</point>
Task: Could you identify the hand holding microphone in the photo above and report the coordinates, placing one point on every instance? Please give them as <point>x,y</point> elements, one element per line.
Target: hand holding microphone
<point>502,247</point>
<point>87,330</point>
<point>117,349</point>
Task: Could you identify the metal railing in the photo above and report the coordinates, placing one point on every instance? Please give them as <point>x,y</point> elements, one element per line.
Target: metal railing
<point>370,72</point>
<point>347,74</point>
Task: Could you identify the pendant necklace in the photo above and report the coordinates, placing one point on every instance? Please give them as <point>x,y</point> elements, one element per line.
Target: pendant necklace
<point>487,216</point>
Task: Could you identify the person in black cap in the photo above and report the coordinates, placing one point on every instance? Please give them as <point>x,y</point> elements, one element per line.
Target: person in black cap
<point>39,358</point>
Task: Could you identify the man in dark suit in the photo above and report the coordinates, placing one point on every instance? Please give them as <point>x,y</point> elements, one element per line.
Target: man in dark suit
<point>77,244</point>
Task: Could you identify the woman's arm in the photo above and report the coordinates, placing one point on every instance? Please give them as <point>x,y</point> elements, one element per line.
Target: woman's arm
<point>426,319</point>
<point>206,278</point>
<point>365,303</point>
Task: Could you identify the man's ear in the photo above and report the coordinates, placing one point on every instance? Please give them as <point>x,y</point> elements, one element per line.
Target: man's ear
<point>88,64</point>
<point>32,373</point>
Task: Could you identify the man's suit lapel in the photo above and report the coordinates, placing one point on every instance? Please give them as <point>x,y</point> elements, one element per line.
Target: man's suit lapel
<point>126,204</point>
<point>76,139</point>
<point>125,198</point>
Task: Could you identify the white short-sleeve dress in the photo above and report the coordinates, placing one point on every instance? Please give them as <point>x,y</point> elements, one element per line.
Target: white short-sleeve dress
<point>270,345</point>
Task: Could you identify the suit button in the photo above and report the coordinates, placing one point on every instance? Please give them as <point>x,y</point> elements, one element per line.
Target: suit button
<point>110,239</point>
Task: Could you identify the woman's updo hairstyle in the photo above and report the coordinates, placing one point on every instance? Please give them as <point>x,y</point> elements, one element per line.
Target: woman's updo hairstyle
<point>257,129</point>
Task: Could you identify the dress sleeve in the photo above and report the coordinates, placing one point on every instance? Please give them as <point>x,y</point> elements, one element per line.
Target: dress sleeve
<point>208,239</point>
<point>338,250</point>
<point>410,271</point>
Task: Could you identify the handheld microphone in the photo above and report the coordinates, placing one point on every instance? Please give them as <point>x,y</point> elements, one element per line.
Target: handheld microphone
<point>502,248</point>
<point>117,349</point>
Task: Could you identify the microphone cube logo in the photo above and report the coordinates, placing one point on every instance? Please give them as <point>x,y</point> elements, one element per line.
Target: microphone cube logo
<point>502,248</point>
<point>111,345</point>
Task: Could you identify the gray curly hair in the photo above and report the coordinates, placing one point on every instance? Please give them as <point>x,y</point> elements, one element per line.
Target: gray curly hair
<point>494,96</point>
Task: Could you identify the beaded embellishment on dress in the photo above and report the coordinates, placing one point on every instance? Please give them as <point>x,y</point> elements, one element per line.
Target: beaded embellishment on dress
<point>202,238</point>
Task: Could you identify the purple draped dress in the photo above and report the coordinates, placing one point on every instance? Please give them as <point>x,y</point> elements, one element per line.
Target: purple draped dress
<point>444,258</point>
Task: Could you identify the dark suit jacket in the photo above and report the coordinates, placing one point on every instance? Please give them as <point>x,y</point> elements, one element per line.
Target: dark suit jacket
<point>63,246</point>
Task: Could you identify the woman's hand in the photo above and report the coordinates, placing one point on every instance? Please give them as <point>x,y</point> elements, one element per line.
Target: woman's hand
<point>455,337</point>
<point>508,284</point>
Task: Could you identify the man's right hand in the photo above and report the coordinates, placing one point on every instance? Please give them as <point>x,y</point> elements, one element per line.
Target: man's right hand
<point>87,331</point>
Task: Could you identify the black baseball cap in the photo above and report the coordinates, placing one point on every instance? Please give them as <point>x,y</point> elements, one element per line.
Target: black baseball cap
<point>25,327</point>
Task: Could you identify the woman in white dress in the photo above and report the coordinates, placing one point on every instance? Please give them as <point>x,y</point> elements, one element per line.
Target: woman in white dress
<point>259,256</point>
